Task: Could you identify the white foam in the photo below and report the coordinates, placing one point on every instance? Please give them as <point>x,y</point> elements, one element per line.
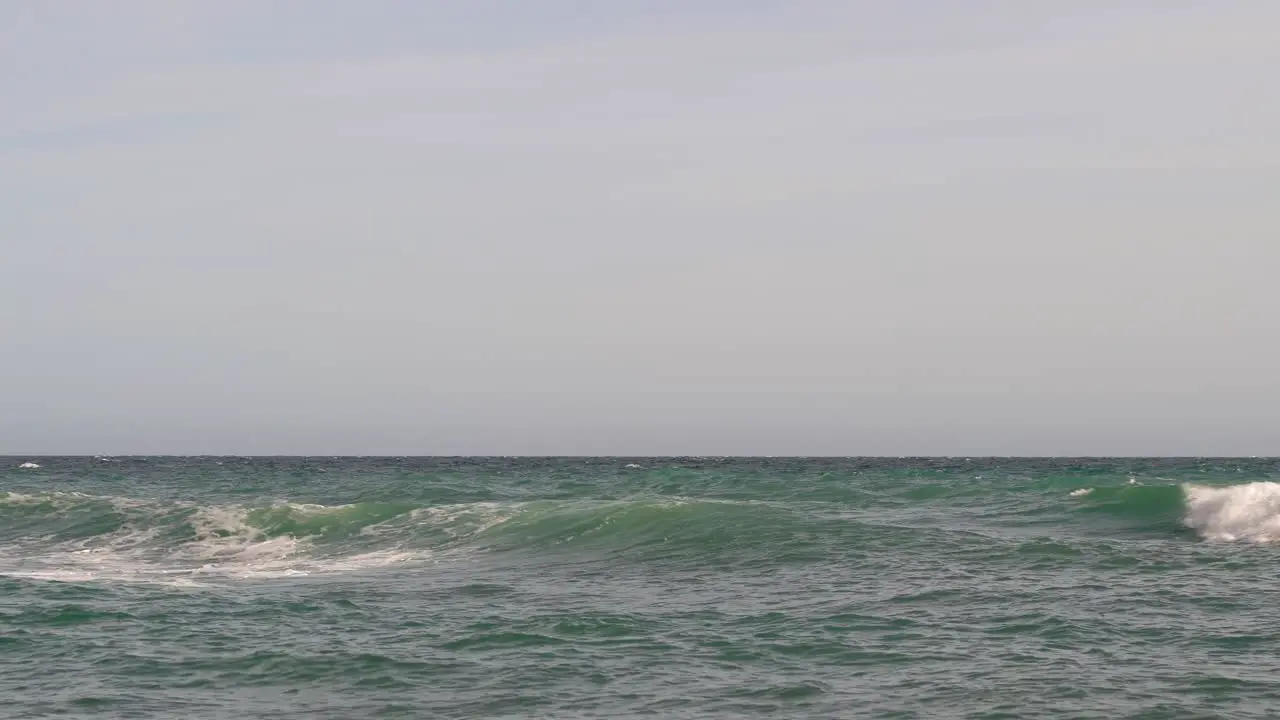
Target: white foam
<point>467,519</point>
<point>29,466</point>
<point>225,546</point>
<point>1080,493</point>
<point>1248,513</point>
<point>14,498</point>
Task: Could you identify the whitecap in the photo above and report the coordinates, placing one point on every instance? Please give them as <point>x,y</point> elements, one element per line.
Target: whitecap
<point>1249,512</point>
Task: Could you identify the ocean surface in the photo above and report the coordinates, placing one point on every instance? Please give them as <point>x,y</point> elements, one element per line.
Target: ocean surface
<point>232,587</point>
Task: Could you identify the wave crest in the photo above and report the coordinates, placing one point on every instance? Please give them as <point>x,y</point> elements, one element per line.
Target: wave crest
<point>1248,513</point>
<point>72,536</point>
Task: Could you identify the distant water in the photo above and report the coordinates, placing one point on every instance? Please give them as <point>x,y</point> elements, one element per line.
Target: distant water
<point>627,587</point>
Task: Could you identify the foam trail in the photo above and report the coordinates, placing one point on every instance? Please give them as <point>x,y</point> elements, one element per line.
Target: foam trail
<point>1249,513</point>
<point>126,539</point>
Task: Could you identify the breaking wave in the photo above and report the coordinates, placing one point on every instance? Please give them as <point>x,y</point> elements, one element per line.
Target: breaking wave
<point>1248,512</point>
<point>74,537</point>
<point>78,537</point>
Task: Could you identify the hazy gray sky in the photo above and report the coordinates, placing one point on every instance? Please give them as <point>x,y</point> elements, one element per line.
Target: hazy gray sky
<point>716,227</point>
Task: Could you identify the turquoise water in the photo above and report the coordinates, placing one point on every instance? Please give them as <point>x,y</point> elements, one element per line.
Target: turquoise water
<point>614,587</point>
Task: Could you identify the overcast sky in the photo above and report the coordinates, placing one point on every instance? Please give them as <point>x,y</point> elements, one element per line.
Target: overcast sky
<point>640,227</point>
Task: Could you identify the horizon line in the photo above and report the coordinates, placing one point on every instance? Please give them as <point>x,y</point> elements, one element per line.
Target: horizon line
<point>640,456</point>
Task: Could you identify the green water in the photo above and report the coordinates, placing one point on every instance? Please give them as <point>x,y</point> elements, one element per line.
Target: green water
<point>612,587</point>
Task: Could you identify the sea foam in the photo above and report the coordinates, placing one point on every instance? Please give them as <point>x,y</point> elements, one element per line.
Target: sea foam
<point>1248,513</point>
<point>181,543</point>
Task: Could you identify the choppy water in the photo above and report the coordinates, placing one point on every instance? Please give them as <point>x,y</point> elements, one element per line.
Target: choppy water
<point>678,587</point>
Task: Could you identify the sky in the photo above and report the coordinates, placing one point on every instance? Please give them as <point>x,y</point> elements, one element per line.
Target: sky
<point>993,227</point>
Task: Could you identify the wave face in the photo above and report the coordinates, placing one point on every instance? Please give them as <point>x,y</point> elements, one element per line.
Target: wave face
<point>74,536</point>
<point>626,587</point>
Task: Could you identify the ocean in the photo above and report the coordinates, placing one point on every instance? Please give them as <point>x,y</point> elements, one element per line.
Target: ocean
<point>278,587</point>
